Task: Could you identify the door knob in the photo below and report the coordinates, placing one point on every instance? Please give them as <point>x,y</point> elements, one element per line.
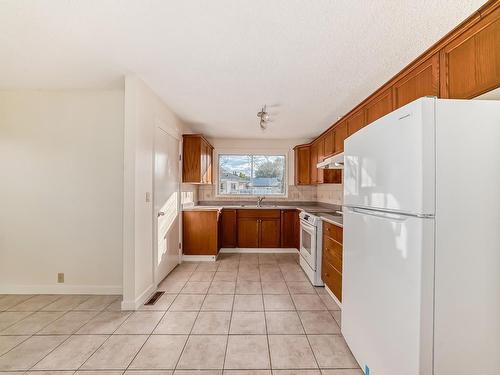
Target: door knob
<point>161,213</point>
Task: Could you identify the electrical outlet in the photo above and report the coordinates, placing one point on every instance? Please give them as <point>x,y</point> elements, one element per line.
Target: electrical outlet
<point>148,196</point>
<point>60,277</point>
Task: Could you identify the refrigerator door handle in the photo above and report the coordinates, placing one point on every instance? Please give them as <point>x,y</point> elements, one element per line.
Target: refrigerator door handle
<point>383,215</point>
<point>369,211</point>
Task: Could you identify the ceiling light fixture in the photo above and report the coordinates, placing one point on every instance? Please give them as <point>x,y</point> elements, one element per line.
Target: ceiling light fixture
<point>264,117</point>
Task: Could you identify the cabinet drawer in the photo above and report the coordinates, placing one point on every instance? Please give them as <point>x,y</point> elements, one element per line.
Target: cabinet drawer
<point>276,214</point>
<point>332,252</point>
<point>332,278</point>
<point>333,231</point>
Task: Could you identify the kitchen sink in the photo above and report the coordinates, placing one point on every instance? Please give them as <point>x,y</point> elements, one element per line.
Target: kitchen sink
<point>255,206</point>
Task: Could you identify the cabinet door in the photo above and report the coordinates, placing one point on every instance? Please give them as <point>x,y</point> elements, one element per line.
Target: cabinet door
<point>199,232</point>
<point>314,161</point>
<point>379,106</point>
<point>340,136</point>
<point>421,81</point>
<point>191,159</point>
<point>270,232</point>
<point>204,163</point>
<point>332,278</point>
<point>228,228</point>
<point>248,232</point>
<point>290,229</point>
<point>470,64</point>
<point>356,121</point>
<point>329,146</point>
<point>320,149</point>
<point>302,165</point>
<point>210,167</point>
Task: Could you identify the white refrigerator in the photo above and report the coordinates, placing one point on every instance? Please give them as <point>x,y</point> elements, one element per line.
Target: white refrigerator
<point>421,280</point>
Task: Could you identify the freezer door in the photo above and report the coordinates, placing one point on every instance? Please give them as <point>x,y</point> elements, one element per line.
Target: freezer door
<point>390,163</point>
<point>387,292</point>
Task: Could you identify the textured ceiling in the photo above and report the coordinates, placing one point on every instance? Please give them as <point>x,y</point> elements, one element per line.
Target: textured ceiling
<point>216,62</point>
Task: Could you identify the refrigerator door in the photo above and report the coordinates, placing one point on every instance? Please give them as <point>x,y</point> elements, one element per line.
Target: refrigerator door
<point>387,291</point>
<point>390,164</point>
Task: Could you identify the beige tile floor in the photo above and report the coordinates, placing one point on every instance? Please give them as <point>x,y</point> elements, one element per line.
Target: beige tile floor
<point>244,314</point>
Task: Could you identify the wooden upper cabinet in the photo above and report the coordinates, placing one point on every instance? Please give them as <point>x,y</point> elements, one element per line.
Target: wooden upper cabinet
<point>314,161</point>
<point>464,64</point>
<point>329,143</point>
<point>340,136</point>
<point>320,155</point>
<point>379,106</point>
<point>423,80</point>
<point>470,64</point>
<point>302,165</point>
<point>197,159</point>
<point>356,121</point>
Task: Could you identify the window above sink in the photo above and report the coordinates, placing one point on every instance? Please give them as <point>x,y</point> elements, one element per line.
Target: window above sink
<point>251,175</point>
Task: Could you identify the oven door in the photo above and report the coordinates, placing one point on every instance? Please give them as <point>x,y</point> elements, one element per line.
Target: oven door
<point>308,243</point>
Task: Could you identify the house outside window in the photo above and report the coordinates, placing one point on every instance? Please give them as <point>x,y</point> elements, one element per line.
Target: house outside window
<point>251,175</point>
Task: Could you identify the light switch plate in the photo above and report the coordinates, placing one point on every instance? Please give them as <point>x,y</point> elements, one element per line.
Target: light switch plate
<point>148,196</point>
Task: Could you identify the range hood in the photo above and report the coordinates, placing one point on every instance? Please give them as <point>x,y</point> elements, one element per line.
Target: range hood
<point>333,162</point>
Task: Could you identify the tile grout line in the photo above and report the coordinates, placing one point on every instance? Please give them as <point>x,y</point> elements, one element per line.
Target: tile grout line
<point>194,322</point>
<point>67,338</point>
<point>95,351</point>
<point>42,328</point>
<point>231,315</point>
<point>265,322</point>
<point>300,320</point>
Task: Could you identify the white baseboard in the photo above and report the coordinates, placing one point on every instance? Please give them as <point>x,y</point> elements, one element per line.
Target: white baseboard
<point>333,296</point>
<point>199,258</point>
<point>61,289</point>
<point>258,250</point>
<point>139,301</point>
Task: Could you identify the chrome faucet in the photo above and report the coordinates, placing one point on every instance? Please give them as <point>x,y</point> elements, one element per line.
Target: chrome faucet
<point>259,201</point>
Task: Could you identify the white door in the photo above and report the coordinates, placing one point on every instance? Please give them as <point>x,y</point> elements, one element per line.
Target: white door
<point>166,203</point>
<point>387,291</point>
<point>390,164</point>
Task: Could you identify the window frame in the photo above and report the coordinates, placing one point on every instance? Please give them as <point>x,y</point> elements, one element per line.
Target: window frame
<point>277,152</point>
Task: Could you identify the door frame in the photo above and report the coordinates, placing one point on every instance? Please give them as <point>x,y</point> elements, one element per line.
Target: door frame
<point>164,128</point>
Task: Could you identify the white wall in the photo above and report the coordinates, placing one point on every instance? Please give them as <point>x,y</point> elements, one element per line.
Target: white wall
<point>61,191</point>
<point>143,111</point>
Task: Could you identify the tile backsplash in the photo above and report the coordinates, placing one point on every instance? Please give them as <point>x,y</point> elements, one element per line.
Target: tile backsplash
<point>189,194</point>
<point>327,193</point>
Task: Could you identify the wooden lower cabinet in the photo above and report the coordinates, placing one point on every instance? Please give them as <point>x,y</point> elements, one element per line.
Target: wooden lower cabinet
<point>332,279</point>
<point>206,231</point>
<point>270,233</point>
<point>228,228</point>
<point>259,228</point>
<point>290,229</point>
<point>248,232</point>
<point>200,232</point>
<point>331,266</point>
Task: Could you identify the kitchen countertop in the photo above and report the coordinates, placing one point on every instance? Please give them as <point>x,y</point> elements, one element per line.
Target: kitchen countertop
<point>245,206</point>
<point>332,219</point>
<point>312,208</point>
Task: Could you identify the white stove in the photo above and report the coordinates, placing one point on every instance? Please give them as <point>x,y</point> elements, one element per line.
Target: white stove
<point>311,244</point>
